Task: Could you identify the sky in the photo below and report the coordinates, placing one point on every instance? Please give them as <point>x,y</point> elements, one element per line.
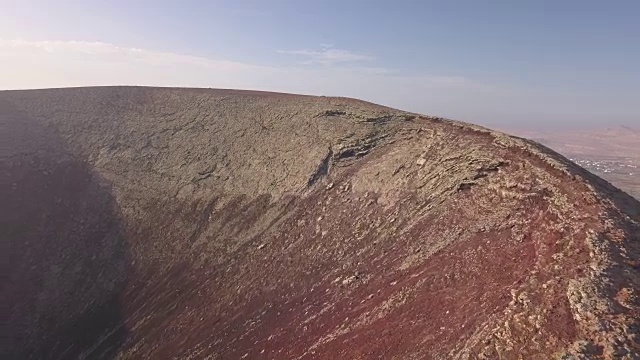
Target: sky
<point>526,64</point>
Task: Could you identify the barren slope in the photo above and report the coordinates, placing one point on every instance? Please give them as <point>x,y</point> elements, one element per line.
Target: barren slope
<point>184,223</point>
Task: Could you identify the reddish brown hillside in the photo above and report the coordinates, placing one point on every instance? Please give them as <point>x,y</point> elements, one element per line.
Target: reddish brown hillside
<point>215,224</point>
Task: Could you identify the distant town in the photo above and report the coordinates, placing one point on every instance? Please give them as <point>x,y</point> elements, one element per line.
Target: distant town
<point>623,173</point>
<point>622,167</point>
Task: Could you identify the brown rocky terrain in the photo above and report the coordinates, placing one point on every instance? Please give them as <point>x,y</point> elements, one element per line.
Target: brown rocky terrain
<point>216,224</point>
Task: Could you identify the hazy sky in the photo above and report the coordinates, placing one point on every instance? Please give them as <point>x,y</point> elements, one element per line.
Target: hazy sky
<point>521,63</point>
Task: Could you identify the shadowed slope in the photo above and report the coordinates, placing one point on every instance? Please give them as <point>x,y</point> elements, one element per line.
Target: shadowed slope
<point>65,261</point>
<point>265,225</point>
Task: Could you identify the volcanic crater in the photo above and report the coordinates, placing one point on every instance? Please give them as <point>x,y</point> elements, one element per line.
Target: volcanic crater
<point>168,223</point>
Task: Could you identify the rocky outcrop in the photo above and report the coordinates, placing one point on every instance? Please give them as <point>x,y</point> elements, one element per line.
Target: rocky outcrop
<point>198,223</point>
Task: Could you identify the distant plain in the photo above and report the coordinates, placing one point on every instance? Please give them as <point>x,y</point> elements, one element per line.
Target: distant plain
<point>611,153</point>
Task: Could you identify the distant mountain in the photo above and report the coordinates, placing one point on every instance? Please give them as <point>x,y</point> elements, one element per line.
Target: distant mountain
<point>623,129</point>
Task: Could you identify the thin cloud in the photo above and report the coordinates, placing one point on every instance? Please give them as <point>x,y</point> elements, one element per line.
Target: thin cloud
<point>42,64</point>
<point>106,52</point>
<point>328,55</point>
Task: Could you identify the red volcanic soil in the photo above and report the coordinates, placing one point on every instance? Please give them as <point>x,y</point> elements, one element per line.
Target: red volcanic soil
<point>223,224</point>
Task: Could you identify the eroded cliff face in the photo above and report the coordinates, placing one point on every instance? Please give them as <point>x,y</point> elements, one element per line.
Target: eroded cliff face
<point>192,223</point>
